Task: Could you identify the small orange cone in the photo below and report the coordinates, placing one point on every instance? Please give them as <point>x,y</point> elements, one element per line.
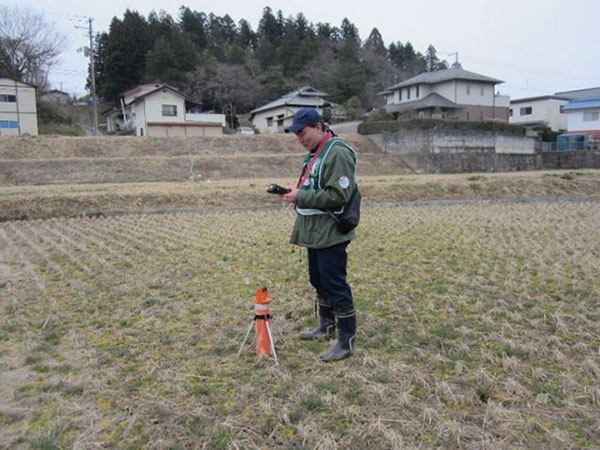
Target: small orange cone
<point>262,317</point>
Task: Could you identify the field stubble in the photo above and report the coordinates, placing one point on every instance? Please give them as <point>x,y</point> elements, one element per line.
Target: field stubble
<point>478,328</point>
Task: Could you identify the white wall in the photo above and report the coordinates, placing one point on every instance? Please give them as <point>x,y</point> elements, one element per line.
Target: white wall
<point>542,110</point>
<point>156,100</point>
<point>212,118</point>
<point>259,121</point>
<point>23,111</point>
<point>576,122</point>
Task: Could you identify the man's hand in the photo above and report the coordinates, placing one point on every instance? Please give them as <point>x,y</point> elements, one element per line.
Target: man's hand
<point>290,197</point>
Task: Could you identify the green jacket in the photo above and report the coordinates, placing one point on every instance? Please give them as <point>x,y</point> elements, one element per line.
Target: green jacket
<point>331,183</point>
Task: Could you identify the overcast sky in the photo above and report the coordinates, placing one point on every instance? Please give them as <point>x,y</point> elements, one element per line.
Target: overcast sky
<point>536,47</point>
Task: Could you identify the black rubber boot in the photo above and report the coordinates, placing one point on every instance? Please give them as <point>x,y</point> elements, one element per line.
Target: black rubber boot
<point>326,328</point>
<point>344,347</point>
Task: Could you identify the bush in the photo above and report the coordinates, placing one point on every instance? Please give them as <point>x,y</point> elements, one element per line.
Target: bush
<point>379,115</point>
<point>391,126</point>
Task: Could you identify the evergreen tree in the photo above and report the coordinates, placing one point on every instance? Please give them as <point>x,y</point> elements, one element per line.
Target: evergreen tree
<point>100,44</point>
<point>193,24</point>
<point>268,39</point>
<point>433,62</point>
<point>161,62</point>
<point>246,38</point>
<point>128,43</point>
<point>374,43</point>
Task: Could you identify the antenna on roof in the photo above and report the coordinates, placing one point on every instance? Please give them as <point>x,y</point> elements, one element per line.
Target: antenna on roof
<point>456,64</point>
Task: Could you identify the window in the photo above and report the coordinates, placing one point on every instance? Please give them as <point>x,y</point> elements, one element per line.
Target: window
<point>269,121</point>
<point>526,111</point>
<point>468,115</point>
<point>591,116</point>
<point>510,112</point>
<point>408,93</point>
<point>400,95</point>
<point>8,124</point>
<point>417,91</point>
<point>482,90</point>
<point>5,98</point>
<point>468,89</point>
<point>169,110</point>
<point>561,109</point>
<point>280,120</point>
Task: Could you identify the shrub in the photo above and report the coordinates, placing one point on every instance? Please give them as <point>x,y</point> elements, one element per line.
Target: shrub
<point>438,125</point>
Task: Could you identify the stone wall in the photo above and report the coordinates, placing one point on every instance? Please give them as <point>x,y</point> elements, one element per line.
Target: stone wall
<point>571,160</point>
<point>477,151</point>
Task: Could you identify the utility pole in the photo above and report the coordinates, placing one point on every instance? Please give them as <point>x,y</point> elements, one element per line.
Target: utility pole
<point>89,51</point>
<point>93,70</point>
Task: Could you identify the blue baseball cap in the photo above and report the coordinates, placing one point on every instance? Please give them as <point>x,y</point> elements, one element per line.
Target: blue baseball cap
<point>304,117</point>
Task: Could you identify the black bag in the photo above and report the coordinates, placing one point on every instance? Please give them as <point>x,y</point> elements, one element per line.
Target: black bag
<point>349,218</point>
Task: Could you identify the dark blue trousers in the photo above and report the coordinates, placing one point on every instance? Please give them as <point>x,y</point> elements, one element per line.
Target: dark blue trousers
<point>327,270</point>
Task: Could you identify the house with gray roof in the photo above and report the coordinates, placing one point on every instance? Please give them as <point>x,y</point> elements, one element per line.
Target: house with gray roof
<point>451,93</point>
<point>274,116</point>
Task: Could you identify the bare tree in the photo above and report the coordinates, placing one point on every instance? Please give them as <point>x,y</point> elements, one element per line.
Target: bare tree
<point>29,46</point>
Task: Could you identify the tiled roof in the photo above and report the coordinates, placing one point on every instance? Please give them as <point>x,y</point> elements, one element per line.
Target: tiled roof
<point>304,96</point>
<point>444,75</point>
<point>431,101</point>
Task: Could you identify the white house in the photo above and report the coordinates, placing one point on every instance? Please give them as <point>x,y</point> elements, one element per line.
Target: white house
<point>158,109</point>
<point>583,123</point>
<point>57,96</point>
<point>18,108</point>
<point>447,93</point>
<point>276,115</point>
<point>544,110</point>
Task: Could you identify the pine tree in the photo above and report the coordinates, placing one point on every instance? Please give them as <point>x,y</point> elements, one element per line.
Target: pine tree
<point>193,24</point>
<point>128,43</point>
<point>100,44</point>
<point>374,43</point>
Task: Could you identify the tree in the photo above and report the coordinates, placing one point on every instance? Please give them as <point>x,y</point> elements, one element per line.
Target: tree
<point>374,43</point>
<point>29,46</point>
<point>269,37</point>
<point>100,42</point>
<point>353,108</point>
<point>128,42</point>
<point>433,62</point>
<point>193,23</point>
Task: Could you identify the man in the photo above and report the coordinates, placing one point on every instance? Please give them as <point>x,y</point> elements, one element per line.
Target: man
<point>326,183</point>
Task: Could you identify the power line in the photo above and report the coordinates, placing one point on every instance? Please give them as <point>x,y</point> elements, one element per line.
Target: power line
<point>533,71</point>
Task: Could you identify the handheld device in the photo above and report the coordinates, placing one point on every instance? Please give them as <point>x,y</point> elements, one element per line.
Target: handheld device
<point>276,189</point>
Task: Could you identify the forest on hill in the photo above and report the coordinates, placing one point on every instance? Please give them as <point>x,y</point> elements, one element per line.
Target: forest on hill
<point>232,68</point>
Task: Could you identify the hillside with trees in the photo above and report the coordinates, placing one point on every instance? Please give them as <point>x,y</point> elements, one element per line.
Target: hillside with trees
<point>232,69</point>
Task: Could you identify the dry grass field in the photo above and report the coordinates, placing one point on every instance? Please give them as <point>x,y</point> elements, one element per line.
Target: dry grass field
<point>120,327</point>
<point>478,328</point>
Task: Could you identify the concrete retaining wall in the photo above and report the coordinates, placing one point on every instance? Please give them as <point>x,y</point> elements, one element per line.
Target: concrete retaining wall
<point>474,151</point>
<point>571,160</point>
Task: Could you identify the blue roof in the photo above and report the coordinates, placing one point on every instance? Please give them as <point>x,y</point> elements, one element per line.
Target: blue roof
<point>586,103</point>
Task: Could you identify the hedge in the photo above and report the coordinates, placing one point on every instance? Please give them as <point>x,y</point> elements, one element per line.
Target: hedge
<point>438,125</point>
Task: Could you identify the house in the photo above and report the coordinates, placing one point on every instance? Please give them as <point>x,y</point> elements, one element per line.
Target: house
<point>18,108</point>
<point>158,109</point>
<point>542,110</point>
<point>450,93</point>
<point>276,115</point>
<point>580,94</point>
<point>56,96</point>
<point>583,125</point>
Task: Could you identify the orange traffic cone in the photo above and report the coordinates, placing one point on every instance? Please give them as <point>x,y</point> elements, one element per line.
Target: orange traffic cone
<point>262,317</point>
